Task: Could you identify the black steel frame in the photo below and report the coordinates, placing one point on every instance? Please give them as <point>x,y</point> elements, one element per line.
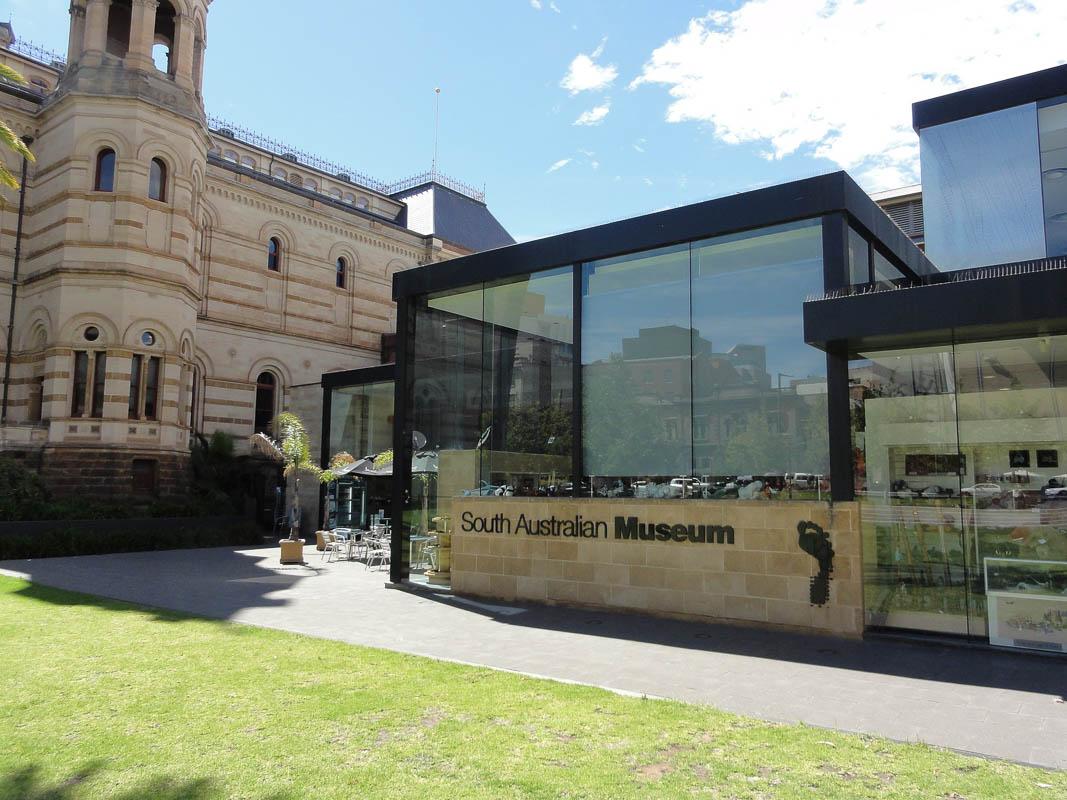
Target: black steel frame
<point>1017,91</point>
<point>833,193</point>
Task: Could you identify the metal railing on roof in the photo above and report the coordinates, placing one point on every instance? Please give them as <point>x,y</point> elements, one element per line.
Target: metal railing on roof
<point>459,187</point>
<point>229,130</point>
<point>41,55</point>
<point>224,128</point>
<point>1010,269</point>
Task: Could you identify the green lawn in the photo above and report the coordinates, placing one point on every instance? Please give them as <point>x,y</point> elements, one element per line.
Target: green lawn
<point>103,699</point>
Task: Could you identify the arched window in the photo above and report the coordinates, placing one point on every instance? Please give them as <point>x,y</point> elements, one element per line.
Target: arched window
<point>157,180</point>
<point>105,171</point>
<point>342,269</point>
<point>274,254</point>
<point>266,389</point>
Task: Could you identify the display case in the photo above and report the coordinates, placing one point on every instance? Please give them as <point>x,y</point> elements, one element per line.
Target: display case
<point>346,503</point>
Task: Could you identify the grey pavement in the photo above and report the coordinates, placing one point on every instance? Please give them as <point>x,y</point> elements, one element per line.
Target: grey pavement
<point>1003,705</point>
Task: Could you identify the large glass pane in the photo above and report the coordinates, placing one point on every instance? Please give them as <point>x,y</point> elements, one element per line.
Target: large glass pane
<point>529,367</point>
<point>1052,129</point>
<point>636,373</point>
<point>361,419</point>
<point>907,479</point>
<point>982,189</point>
<point>447,403</point>
<point>1013,435</point>
<point>859,258</point>
<point>361,424</point>
<point>759,392</point>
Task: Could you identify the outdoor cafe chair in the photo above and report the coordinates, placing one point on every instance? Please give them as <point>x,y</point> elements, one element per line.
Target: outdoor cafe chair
<point>378,550</point>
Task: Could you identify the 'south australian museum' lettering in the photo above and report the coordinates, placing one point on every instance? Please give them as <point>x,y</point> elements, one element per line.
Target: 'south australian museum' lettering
<point>626,528</point>
<point>576,526</point>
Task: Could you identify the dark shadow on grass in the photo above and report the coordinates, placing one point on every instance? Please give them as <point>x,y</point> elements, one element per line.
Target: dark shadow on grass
<point>215,583</point>
<point>27,783</point>
<point>924,660</point>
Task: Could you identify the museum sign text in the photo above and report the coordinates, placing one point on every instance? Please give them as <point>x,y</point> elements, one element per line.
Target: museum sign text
<point>626,528</point>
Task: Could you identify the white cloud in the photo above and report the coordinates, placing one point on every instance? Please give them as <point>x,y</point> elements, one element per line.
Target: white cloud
<point>554,7</point>
<point>648,181</point>
<point>594,164</point>
<point>584,74</point>
<point>595,115</point>
<point>535,4</point>
<point>837,79</point>
<point>559,165</point>
<point>639,145</point>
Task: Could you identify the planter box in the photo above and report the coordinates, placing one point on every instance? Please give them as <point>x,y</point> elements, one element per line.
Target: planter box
<point>292,551</point>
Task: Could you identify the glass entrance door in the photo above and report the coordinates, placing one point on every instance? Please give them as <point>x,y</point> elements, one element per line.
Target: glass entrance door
<point>1011,397</point>
<point>961,472</point>
<point>909,476</point>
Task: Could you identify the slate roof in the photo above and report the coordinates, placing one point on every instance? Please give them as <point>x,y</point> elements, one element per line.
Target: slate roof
<point>460,219</point>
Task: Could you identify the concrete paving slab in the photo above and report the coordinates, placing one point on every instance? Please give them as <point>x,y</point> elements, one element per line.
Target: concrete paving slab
<point>1002,705</point>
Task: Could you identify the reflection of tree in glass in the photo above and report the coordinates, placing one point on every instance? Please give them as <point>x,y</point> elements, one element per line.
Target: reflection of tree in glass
<point>533,429</point>
<point>623,432</point>
<point>752,448</point>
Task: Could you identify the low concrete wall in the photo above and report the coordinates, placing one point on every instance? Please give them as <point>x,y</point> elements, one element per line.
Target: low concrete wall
<point>727,560</point>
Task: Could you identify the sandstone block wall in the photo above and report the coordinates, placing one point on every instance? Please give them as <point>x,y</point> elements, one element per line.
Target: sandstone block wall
<point>764,576</point>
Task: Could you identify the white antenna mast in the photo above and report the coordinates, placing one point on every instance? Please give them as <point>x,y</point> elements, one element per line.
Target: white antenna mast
<point>436,125</point>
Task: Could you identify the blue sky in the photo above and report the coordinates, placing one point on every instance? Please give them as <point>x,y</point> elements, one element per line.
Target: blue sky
<point>681,101</point>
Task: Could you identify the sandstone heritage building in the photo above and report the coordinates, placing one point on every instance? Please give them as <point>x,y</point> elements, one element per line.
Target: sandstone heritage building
<point>177,275</point>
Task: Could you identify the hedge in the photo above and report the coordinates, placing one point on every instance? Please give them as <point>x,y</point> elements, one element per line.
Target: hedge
<point>45,539</point>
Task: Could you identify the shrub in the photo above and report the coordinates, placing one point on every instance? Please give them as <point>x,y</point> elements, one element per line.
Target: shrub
<point>68,539</point>
<point>23,494</point>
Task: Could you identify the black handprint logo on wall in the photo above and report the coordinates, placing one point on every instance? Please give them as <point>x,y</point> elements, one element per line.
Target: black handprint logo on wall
<point>814,541</point>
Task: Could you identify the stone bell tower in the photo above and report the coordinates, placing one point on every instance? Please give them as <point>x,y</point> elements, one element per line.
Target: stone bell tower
<point>112,282</point>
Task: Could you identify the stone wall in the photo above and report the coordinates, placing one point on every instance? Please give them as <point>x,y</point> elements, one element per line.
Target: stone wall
<point>107,474</point>
<point>520,549</point>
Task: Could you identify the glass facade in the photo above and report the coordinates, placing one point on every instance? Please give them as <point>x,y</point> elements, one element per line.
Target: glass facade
<point>361,425</point>
<point>361,419</point>
<point>694,378</point>
<point>492,370</point>
<point>978,209</point>
<point>1052,133</point>
<point>959,466</point>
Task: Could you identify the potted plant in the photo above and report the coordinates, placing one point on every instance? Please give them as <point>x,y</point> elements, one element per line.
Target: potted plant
<point>295,449</point>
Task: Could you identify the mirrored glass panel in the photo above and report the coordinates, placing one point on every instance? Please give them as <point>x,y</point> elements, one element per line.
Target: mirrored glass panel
<point>636,374</point>
<point>759,392</point>
<point>982,189</point>
<point>1052,129</point>
<point>446,404</point>
<point>528,372</point>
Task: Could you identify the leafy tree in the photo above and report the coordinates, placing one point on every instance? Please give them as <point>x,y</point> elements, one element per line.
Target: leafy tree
<point>8,138</point>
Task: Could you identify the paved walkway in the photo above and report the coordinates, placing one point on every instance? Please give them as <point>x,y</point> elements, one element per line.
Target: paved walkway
<point>998,704</point>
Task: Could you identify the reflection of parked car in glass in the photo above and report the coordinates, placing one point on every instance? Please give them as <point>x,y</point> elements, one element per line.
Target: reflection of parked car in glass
<point>687,487</point>
<point>1055,488</point>
<point>936,491</point>
<point>484,489</point>
<point>982,490</point>
<point>801,480</point>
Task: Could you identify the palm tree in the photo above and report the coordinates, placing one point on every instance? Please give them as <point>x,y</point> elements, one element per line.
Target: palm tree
<point>8,137</point>
<point>295,447</point>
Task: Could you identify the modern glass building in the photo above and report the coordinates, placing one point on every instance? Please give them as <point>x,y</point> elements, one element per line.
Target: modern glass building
<point>769,407</point>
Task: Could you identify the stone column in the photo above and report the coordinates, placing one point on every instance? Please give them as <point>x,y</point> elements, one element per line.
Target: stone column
<point>198,66</point>
<point>142,35</point>
<point>182,50</point>
<point>77,33</point>
<point>94,42</point>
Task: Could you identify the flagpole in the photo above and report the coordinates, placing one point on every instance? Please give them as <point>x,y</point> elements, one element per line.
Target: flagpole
<point>436,126</point>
